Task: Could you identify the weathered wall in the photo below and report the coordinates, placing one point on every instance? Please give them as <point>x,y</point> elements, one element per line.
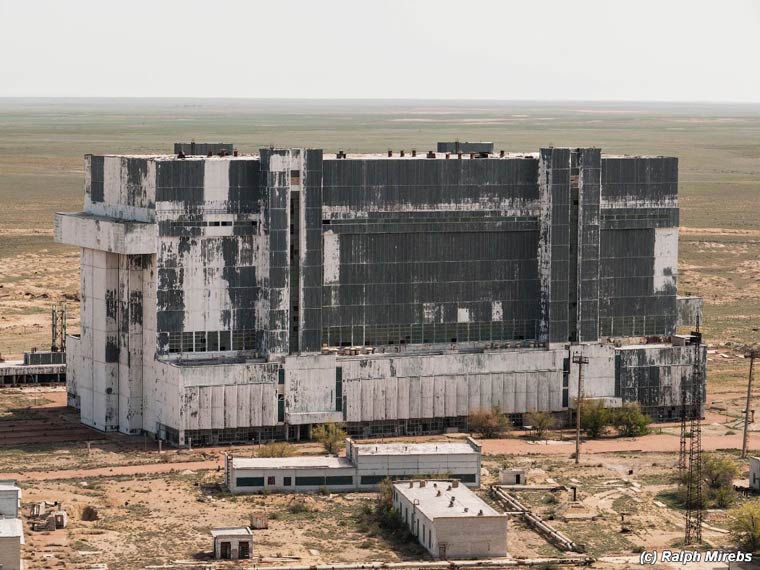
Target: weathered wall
<point>213,256</point>
<point>639,246</point>
<point>423,251</point>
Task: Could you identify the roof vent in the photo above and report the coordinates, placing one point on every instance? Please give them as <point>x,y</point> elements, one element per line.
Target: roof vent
<point>438,494</point>
<point>451,503</point>
<point>390,153</point>
<point>401,154</point>
<point>414,153</point>
<point>340,154</point>
<point>423,483</point>
<point>430,154</point>
<point>480,513</point>
<point>467,509</point>
<point>501,154</point>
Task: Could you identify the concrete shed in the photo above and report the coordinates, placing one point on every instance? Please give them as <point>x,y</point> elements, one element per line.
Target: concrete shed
<point>11,539</point>
<point>232,543</point>
<point>449,520</point>
<point>512,477</point>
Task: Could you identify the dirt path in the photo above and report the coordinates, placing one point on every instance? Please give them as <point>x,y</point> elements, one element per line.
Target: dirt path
<point>665,443</point>
<point>113,471</point>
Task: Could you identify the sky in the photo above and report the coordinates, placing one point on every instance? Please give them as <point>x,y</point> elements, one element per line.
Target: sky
<point>590,50</point>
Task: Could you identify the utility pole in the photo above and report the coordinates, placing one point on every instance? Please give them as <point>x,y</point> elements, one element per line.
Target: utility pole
<point>752,354</point>
<point>580,361</point>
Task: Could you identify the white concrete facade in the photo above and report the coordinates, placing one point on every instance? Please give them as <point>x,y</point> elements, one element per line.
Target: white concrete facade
<point>449,520</point>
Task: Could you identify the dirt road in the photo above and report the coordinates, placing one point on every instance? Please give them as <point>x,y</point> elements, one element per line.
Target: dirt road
<point>113,471</point>
<point>655,442</point>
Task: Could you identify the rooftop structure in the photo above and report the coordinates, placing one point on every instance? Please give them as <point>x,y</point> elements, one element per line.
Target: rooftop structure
<point>449,520</point>
<point>235,298</point>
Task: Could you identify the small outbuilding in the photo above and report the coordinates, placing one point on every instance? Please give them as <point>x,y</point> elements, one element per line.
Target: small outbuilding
<point>449,520</point>
<point>512,477</point>
<point>232,543</point>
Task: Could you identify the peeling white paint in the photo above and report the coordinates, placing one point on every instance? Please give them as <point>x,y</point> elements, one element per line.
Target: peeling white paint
<point>331,254</point>
<point>497,312</point>
<point>665,259</point>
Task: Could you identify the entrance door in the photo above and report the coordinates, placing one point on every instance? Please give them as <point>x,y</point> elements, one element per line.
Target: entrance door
<point>442,551</point>
<point>517,478</point>
<point>244,550</point>
<point>225,551</point>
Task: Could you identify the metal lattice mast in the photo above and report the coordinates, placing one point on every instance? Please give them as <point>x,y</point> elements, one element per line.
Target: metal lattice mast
<point>752,354</point>
<point>684,415</point>
<point>694,505</point>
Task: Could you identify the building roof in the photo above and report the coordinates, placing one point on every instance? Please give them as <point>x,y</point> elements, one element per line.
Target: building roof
<point>465,502</point>
<point>11,528</point>
<point>299,462</point>
<point>233,531</point>
<point>6,485</point>
<point>433,448</point>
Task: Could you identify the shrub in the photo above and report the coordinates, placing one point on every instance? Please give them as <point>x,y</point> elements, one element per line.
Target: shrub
<point>488,423</point>
<point>332,436</point>
<point>276,449</point>
<point>595,418</point>
<point>541,422</point>
<point>630,421</point>
<point>745,525</point>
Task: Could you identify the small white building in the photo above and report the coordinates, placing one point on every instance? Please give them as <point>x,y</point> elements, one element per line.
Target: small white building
<point>11,539</point>
<point>446,460</point>
<point>754,473</point>
<point>10,498</point>
<point>512,477</point>
<point>449,520</point>
<point>363,468</point>
<point>306,473</point>
<point>232,543</point>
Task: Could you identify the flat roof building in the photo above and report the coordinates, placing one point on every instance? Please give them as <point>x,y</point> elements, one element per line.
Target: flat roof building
<point>232,543</point>
<point>363,467</point>
<point>249,297</point>
<point>449,520</point>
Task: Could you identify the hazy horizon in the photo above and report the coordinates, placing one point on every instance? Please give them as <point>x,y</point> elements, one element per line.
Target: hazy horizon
<point>591,50</point>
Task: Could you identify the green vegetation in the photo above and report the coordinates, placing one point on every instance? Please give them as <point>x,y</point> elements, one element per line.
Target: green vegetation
<point>488,423</point>
<point>718,474</point>
<point>276,449</point>
<point>745,525</point>
<point>595,418</point>
<point>541,422</point>
<point>630,421</point>
<point>332,436</point>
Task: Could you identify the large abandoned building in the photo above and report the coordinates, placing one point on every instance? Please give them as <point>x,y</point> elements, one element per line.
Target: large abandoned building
<point>245,297</point>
